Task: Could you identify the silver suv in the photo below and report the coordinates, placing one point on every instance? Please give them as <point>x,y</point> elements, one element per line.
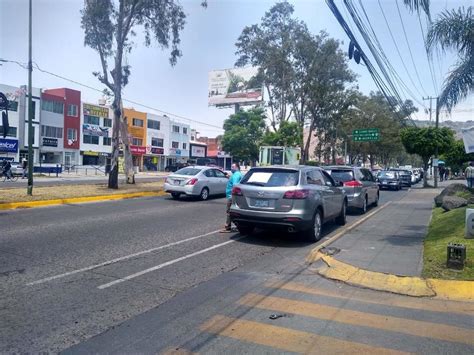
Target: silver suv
<point>297,198</point>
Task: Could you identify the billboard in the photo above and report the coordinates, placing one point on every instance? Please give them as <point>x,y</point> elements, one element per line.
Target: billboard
<point>468,138</point>
<point>94,130</point>
<point>235,86</point>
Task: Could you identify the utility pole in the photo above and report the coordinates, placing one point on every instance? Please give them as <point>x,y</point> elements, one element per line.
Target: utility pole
<point>435,168</point>
<point>30,106</point>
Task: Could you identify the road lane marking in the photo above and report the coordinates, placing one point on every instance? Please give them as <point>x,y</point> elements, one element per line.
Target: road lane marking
<point>286,339</point>
<point>356,318</point>
<point>113,261</point>
<point>313,255</point>
<point>388,299</point>
<point>168,263</point>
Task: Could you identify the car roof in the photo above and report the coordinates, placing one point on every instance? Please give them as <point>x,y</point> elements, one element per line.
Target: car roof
<point>347,167</point>
<point>288,167</point>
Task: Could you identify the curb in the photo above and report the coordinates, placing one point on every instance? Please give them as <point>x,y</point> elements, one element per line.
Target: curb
<point>72,200</point>
<point>404,285</point>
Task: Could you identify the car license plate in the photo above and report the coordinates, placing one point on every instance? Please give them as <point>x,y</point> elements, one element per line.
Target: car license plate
<point>262,203</point>
<point>384,182</point>
<point>176,182</point>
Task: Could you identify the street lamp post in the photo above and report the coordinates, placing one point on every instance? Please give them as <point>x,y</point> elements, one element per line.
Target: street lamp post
<point>30,106</point>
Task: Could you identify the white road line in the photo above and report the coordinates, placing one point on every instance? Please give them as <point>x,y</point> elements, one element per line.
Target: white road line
<point>105,263</point>
<point>171,262</point>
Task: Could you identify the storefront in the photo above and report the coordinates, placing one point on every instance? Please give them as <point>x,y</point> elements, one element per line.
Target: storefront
<point>137,156</point>
<point>50,152</point>
<point>154,159</point>
<point>90,158</point>
<point>9,149</point>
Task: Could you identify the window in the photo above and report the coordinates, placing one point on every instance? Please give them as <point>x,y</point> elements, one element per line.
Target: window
<point>91,120</point>
<point>49,131</point>
<point>157,142</point>
<point>184,145</point>
<point>209,173</point>
<point>11,132</point>
<point>153,124</point>
<point>328,180</point>
<point>185,130</point>
<point>33,103</point>
<point>219,174</point>
<point>107,141</point>
<point>314,177</point>
<point>13,106</point>
<point>52,106</point>
<point>175,129</point>
<point>175,145</point>
<point>72,110</point>
<point>271,177</point>
<point>107,122</point>
<point>72,134</point>
<point>90,139</point>
<point>137,141</point>
<point>137,122</point>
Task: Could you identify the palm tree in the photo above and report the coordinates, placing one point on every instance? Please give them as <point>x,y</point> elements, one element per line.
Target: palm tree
<point>454,29</point>
<point>419,4</point>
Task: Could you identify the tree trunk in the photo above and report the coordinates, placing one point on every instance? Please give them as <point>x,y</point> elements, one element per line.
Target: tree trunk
<point>127,154</point>
<point>425,173</point>
<point>305,153</point>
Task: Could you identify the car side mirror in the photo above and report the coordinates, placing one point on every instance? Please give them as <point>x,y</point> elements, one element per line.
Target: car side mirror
<point>340,183</point>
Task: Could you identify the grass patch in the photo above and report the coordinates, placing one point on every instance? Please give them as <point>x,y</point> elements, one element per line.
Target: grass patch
<point>71,191</point>
<point>446,227</point>
<point>464,194</point>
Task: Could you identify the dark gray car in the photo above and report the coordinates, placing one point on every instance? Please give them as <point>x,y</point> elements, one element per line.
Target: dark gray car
<point>359,185</point>
<point>297,198</point>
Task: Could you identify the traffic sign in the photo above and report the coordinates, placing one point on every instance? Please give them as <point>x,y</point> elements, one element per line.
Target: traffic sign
<point>366,135</point>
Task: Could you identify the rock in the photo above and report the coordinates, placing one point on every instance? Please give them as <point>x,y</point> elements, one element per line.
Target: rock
<point>453,202</point>
<point>450,191</point>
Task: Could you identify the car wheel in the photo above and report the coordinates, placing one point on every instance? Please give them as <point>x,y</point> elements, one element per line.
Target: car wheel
<point>175,195</point>
<point>363,209</point>
<point>204,194</point>
<point>342,219</point>
<point>376,202</point>
<point>314,233</point>
<point>245,229</point>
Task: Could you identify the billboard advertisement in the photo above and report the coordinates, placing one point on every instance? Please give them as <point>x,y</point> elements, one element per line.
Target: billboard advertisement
<point>94,130</point>
<point>198,151</point>
<point>235,86</point>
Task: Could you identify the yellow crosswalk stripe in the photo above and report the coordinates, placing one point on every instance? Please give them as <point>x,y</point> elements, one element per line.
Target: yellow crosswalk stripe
<point>286,339</point>
<point>387,299</point>
<point>388,323</point>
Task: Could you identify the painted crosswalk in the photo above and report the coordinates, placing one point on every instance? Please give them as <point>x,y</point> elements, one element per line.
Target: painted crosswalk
<point>320,320</point>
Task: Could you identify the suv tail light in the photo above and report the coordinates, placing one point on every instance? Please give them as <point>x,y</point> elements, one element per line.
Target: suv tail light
<point>193,181</point>
<point>296,194</point>
<point>237,191</point>
<point>353,183</point>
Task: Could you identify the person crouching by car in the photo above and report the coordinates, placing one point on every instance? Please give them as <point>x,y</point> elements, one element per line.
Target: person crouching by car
<point>233,180</point>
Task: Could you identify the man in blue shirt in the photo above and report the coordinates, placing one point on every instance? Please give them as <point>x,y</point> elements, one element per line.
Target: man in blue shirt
<point>233,180</point>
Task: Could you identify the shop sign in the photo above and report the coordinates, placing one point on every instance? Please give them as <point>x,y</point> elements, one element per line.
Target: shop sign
<point>103,154</point>
<point>8,145</point>
<point>98,111</point>
<point>160,151</point>
<point>174,151</point>
<point>94,130</point>
<point>198,151</point>
<point>91,153</point>
<point>50,142</point>
<point>137,150</point>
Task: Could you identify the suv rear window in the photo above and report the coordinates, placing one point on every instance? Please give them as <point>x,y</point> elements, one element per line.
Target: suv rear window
<point>342,175</point>
<point>188,171</point>
<point>387,174</point>
<point>271,177</point>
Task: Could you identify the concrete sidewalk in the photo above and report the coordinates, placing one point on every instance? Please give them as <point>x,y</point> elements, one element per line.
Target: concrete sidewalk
<point>392,240</point>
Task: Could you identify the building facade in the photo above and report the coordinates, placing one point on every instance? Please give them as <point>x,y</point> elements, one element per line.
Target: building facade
<point>9,146</point>
<point>157,142</point>
<point>180,134</point>
<point>136,122</point>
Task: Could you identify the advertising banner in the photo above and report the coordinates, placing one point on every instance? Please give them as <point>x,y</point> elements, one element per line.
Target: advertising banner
<point>137,150</point>
<point>198,151</point>
<point>97,111</point>
<point>93,130</point>
<point>159,151</point>
<point>234,86</point>
<point>8,145</point>
<point>468,139</point>
<point>50,142</point>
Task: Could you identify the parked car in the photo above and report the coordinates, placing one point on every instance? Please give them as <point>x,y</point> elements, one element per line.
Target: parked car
<point>359,185</point>
<point>175,167</point>
<point>202,181</point>
<point>389,180</point>
<point>405,176</point>
<point>296,198</point>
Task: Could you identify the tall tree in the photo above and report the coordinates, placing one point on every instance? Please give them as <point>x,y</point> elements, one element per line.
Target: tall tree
<point>109,27</point>
<point>243,133</point>
<point>424,141</point>
<point>456,156</point>
<point>454,29</point>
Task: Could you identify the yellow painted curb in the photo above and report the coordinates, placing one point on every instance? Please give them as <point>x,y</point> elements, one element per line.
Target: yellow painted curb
<point>63,201</point>
<point>404,285</point>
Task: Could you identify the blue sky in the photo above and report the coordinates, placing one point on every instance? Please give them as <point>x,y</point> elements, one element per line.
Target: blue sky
<point>208,42</point>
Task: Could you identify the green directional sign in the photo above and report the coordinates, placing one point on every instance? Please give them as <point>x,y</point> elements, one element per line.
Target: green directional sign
<point>366,135</point>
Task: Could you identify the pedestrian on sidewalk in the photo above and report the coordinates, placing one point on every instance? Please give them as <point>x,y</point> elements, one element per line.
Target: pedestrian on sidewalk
<point>233,180</point>
<point>469,173</point>
<point>24,166</point>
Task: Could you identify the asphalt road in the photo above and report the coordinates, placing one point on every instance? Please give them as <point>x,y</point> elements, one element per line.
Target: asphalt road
<point>70,273</point>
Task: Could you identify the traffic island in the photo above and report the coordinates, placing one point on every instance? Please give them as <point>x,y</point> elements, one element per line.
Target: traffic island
<point>69,194</point>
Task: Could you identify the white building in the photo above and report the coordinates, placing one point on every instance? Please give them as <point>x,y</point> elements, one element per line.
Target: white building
<point>52,129</point>
<point>179,142</point>
<point>96,134</point>
<point>157,142</point>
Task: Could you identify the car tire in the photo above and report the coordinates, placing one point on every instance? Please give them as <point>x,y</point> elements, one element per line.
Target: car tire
<point>376,202</point>
<point>314,233</point>
<point>342,218</point>
<point>245,229</point>
<point>204,195</point>
<point>363,209</point>
<point>175,195</point>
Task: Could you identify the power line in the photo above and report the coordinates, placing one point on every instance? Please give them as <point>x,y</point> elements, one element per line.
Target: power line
<point>124,99</point>
<point>409,47</point>
<point>430,62</point>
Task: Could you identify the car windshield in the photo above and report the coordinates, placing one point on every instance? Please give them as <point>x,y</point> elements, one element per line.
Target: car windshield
<point>387,174</point>
<point>342,175</point>
<point>271,177</point>
<point>188,171</point>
